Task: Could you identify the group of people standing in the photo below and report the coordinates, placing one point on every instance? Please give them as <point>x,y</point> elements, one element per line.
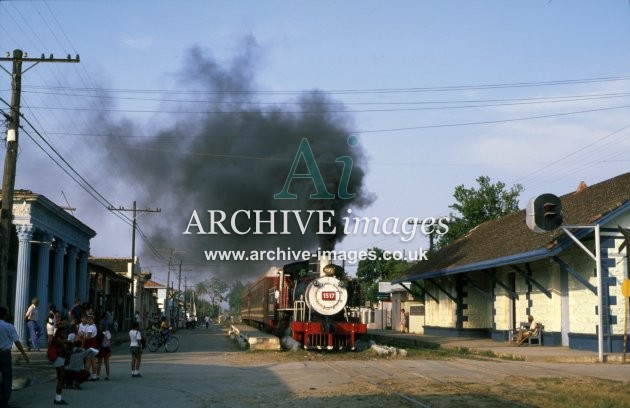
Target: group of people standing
<point>78,349</point>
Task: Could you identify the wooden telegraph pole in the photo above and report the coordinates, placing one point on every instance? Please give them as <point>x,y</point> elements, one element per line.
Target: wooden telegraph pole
<point>10,159</point>
<point>134,226</point>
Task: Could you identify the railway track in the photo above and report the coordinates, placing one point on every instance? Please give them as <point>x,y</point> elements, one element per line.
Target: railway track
<point>435,384</point>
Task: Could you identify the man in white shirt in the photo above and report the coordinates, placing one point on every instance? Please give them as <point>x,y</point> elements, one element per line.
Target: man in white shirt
<point>8,337</point>
<point>32,322</point>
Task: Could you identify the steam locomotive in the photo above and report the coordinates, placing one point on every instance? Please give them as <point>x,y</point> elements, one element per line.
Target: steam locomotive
<point>307,298</point>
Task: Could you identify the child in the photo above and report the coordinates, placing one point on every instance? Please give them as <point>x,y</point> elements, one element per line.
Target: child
<point>75,370</point>
<point>104,338</point>
<point>60,343</point>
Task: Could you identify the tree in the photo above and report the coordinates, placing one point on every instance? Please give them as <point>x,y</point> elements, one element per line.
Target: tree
<point>235,296</point>
<point>201,288</point>
<point>475,206</point>
<point>372,271</point>
<point>216,290</point>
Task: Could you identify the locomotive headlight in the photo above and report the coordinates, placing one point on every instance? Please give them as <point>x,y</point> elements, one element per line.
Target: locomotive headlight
<point>329,270</point>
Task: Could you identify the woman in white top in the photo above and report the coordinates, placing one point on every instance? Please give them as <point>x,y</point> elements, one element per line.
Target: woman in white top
<point>135,337</point>
<point>51,323</point>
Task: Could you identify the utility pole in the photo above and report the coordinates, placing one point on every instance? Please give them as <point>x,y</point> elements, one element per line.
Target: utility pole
<point>179,284</point>
<point>10,159</point>
<point>167,310</point>
<point>135,212</point>
<point>179,291</point>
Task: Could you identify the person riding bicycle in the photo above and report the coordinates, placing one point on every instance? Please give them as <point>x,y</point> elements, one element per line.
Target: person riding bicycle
<point>165,329</point>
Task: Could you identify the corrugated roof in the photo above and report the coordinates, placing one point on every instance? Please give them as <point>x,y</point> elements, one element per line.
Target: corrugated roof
<point>508,240</point>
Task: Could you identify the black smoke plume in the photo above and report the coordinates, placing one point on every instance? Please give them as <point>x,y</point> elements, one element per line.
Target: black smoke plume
<point>236,155</point>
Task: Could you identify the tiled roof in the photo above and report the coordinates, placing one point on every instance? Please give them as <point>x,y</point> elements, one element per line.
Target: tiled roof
<point>113,264</point>
<point>153,285</point>
<point>509,236</point>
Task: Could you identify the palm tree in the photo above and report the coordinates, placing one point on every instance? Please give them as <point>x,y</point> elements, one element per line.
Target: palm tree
<point>202,288</point>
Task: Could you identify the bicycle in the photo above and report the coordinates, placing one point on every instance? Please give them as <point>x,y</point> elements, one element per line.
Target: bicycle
<point>158,340</point>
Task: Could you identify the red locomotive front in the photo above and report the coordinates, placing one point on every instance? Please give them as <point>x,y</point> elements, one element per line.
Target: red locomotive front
<point>308,299</point>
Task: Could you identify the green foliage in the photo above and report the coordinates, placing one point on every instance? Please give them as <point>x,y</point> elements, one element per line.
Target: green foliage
<point>371,272</point>
<point>235,296</point>
<point>215,288</point>
<point>475,206</point>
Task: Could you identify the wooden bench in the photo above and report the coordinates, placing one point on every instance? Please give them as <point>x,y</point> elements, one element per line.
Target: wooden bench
<point>536,338</point>
<point>514,333</point>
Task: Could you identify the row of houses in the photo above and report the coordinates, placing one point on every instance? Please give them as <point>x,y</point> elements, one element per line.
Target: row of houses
<point>49,258</point>
<point>570,279</point>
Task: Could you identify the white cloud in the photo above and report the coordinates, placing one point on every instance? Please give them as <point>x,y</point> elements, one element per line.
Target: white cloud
<point>138,42</point>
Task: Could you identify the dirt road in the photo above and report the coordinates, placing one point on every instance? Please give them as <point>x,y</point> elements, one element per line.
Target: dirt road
<point>209,370</point>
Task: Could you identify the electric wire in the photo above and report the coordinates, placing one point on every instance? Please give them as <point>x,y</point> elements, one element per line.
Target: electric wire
<point>359,91</point>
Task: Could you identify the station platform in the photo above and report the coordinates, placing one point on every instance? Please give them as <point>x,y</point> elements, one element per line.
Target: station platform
<point>255,339</point>
<point>500,349</point>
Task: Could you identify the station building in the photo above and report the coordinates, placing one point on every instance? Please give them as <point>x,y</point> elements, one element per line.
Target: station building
<point>486,282</point>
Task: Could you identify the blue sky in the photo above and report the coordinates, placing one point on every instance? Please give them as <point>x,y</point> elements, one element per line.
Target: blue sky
<point>424,76</point>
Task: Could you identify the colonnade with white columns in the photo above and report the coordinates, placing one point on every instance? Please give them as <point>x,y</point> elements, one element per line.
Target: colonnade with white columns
<point>52,259</point>
<point>60,281</point>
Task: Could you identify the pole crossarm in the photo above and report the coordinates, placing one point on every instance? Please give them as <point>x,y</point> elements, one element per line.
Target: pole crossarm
<point>133,248</point>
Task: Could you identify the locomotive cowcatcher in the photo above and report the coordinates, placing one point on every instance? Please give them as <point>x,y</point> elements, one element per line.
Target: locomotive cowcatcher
<point>310,299</point>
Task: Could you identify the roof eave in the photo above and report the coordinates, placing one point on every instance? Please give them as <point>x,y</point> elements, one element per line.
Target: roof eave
<point>531,256</point>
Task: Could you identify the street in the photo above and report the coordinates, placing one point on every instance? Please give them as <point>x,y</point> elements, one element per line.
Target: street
<point>209,370</point>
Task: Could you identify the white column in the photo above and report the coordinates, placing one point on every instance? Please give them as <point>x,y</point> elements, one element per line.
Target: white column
<point>71,281</point>
<point>84,275</point>
<point>25,234</point>
<point>43,273</point>
<point>57,296</point>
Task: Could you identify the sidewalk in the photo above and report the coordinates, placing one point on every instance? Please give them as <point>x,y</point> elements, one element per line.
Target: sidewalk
<point>500,349</point>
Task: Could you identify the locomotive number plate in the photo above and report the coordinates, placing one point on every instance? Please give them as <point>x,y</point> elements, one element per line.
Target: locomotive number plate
<point>329,295</point>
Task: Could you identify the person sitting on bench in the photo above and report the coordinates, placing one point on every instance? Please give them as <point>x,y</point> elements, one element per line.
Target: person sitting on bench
<point>524,334</point>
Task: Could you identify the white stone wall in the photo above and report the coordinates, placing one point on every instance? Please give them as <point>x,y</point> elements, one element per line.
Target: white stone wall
<point>440,314</point>
<point>582,302</point>
<point>479,311</point>
<point>618,271</point>
<point>502,304</point>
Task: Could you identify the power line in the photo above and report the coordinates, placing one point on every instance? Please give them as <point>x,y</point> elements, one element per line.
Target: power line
<point>80,180</point>
<point>565,98</point>
<point>317,111</point>
<point>357,91</point>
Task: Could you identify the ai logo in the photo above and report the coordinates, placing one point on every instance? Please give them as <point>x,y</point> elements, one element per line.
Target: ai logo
<point>305,153</point>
